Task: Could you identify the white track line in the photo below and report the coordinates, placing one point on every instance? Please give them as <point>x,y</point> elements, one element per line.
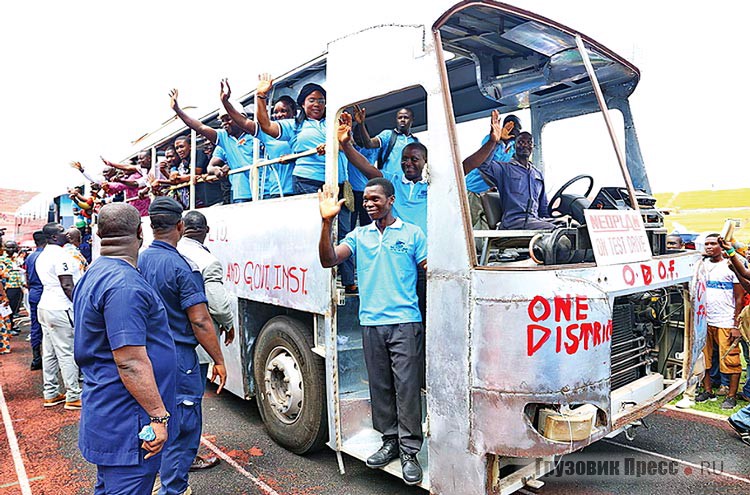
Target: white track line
<point>257,482</point>
<point>680,461</point>
<point>23,479</point>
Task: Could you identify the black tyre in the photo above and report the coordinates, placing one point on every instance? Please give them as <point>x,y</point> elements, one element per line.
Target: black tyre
<point>290,386</point>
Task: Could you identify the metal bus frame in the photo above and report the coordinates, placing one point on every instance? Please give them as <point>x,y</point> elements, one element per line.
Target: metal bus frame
<point>485,389</point>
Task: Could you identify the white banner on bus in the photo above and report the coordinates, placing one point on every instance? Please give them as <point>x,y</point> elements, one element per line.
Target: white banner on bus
<point>617,236</point>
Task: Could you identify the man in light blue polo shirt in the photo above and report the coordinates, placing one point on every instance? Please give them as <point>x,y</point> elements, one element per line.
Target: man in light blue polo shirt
<point>237,146</point>
<point>388,253</point>
<point>389,142</point>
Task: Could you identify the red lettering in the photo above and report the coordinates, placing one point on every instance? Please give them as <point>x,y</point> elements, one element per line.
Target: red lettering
<point>249,273</point>
<point>582,307</point>
<point>531,345</point>
<point>671,269</point>
<point>662,270</point>
<point>276,285</point>
<point>572,347</point>
<point>546,310</point>
<point>562,307</point>
<point>647,277</point>
<point>558,341</point>
<point>628,275</point>
<point>293,277</point>
<point>304,278</point>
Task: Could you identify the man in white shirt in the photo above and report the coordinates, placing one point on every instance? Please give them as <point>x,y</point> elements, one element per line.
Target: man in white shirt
<point>723,305</point>
<point>58,272</point>
<point>219,304</point>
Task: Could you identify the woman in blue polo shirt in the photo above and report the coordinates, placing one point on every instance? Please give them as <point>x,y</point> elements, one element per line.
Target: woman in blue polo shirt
<point>306,131</point>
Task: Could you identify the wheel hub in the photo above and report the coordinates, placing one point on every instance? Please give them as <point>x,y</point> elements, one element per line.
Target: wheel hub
<point>284,386</point>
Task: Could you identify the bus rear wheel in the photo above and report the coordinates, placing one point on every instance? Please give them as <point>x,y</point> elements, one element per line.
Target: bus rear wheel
<point>290,386</point>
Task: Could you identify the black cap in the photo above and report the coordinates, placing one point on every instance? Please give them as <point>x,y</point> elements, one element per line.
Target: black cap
<point>164,205</point>
<point>306,90</point>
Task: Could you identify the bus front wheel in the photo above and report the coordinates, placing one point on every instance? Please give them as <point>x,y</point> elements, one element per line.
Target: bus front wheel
<point>290,386</point>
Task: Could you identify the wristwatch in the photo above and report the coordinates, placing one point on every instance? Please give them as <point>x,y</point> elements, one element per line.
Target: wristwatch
<point>160,419</point>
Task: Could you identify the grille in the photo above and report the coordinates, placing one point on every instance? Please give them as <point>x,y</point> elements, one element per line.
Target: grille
<point>630,356</point>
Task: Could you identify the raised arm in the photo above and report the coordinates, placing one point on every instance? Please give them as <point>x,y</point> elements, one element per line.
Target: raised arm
<point>329,208</point>
<point>125,167</point>
<point>244,123</point>
<point>482,154</point>
<point>344,135</point>
<point>192,123</point>
<point>265,84</point>
<point>362,135</point>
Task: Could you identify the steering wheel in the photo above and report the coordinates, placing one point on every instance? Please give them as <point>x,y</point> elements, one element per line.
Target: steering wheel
<point>559,210</point>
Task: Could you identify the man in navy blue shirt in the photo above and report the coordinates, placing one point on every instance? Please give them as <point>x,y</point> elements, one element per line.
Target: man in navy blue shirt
<point>388,252</point>
<point>35,293</point>
<point>521,186</point>
<point>126,354</point>
<point>181,290</point>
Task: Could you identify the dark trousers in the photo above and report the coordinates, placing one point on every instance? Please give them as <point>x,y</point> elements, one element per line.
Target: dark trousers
<point>717,377</point>
<point>15,296</point>
<point>359,210</point>
<point>35,330</point>
<point>422,293</point>
<point>306,186</point>
<point>394,355</point>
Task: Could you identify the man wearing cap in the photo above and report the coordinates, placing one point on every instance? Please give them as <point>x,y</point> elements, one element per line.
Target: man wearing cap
<point>35,293</point>
<point>219,304</point>
<point>181,290</point>
<point>59,272</point>
<point>237,147</point>
<point>127,355</point>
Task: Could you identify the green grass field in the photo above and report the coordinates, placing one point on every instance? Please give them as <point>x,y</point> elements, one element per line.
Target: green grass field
<point>706,211</point>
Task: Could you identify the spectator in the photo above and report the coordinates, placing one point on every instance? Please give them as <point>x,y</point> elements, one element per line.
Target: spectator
<point>306,131</point>
<point>521,186</point>
<point>35,294</point>
<point>723,306</point>
<point>675,242</point>
<point>59,273</point>
<point>85,246</point>
<point>127,356</point>
<point>6,313</point>
<point>389,143</point>
<point>74,241</point>
<point>393,337</point>
<point>181,291</point>
<point>276,179</point>
<point>236,145</point>
<point>219,304</point>
<point>14,282</point>
<point>217,158</point>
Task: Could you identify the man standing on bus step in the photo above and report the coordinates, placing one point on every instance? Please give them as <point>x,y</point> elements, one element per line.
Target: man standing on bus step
<point>35,293</point>
<point>390,142</point>
<point>520,185</point>
<point>219,305</point>
<point>723,305</point>
<point>410,186</point>
<point>127,355</point>
<point>388,252</point>
<point>181,290</point>
<point>59,272</point>
<point>237,146</point>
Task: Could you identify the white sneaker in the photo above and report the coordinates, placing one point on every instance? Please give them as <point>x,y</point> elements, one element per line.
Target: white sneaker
<point>685,403</point>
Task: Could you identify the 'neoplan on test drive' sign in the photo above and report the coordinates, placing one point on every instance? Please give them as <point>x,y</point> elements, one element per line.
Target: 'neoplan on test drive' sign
<point>617,236</point>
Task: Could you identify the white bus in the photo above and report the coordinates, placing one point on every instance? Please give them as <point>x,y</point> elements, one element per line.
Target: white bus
<point>537,343</point>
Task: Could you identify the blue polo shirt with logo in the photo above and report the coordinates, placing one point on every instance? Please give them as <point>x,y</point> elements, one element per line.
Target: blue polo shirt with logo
<point>238,153</point>
<point>387,271</point>
<point>276,178</point>
<point>410,204</point>
<point>393,164</point>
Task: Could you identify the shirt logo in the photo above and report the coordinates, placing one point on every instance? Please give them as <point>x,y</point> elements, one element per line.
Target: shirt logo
<point>399,247</point>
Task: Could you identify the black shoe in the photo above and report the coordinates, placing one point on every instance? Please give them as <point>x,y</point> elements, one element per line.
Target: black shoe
<point>36,364</point>
<point>385,455</point>
<point>729,403</point>
<point>410,469</point>
<point>743,433</point>
<point>704,396</point>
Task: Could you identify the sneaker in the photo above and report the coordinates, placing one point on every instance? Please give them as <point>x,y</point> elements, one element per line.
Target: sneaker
<point>387,452</point>
<point>73,405</point>
<point>723,390</point>
<point>742,432</point>
<point>54,401</point>
<point>729,403</point>
<point>704,396</point>
<point>685,403</point>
